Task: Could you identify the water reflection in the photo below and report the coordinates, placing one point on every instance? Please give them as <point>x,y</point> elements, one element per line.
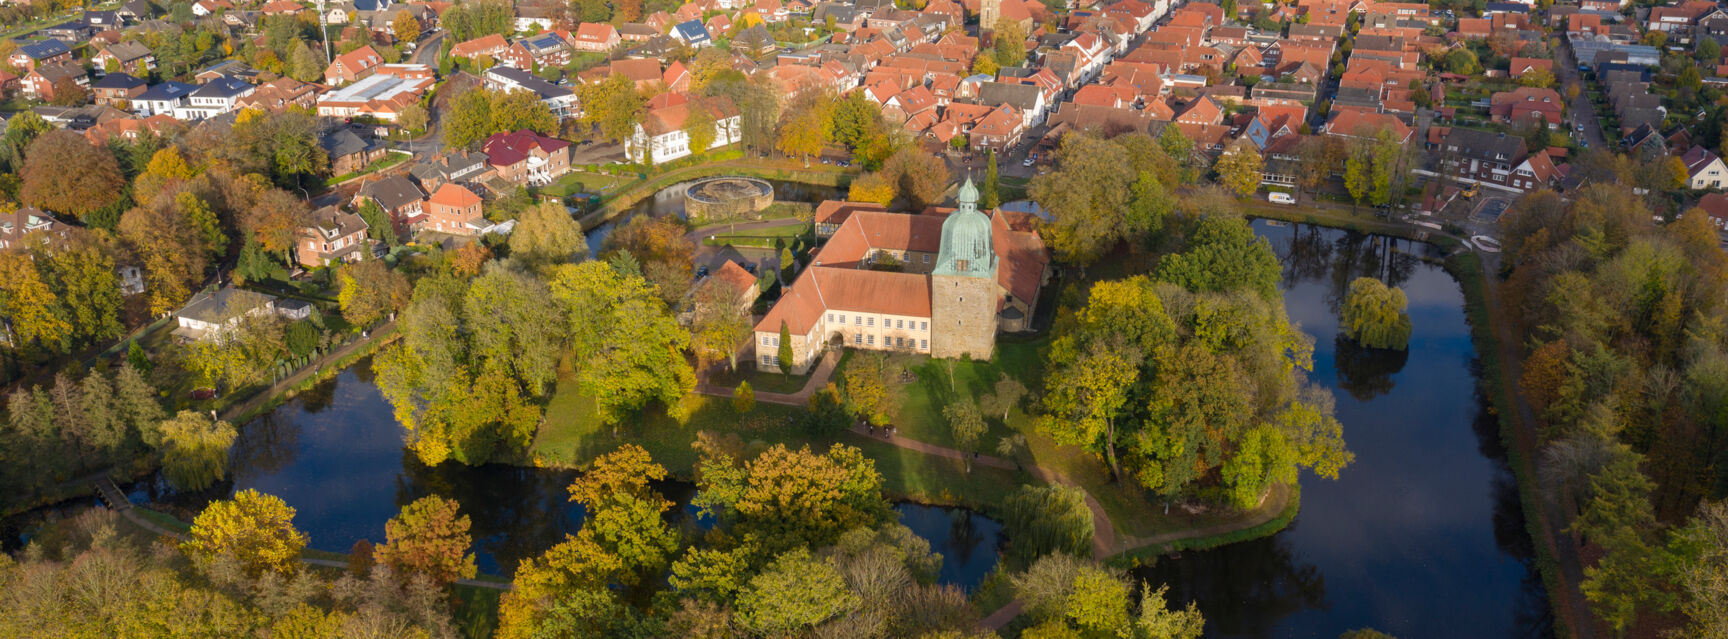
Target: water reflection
<point>1423,535</point>
<point>968,541</point>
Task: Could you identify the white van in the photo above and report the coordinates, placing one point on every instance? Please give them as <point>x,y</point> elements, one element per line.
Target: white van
<point>1280,198</point>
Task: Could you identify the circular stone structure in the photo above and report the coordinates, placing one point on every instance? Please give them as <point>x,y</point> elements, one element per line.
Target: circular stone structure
<point>724,198</point>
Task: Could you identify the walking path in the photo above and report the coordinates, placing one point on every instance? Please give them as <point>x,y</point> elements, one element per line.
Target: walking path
<point>131,514</point>
<point>243,408</point>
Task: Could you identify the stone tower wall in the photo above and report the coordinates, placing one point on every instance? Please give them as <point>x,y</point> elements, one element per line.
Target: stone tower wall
<point>988,12</point>
<point>962,316</point>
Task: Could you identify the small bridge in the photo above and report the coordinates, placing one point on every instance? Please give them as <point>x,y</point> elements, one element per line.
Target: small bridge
<point>111,494</point>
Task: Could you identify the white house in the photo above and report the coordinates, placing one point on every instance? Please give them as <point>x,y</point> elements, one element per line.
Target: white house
<point>213,98</point>
<point>207,315</point>
<point>660,137</point>
<point>162,98</point>
<point>560,100</point>
<point>1704,170</point>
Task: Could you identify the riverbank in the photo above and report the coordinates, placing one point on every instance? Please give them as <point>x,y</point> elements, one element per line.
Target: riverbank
<point>1496,346</point>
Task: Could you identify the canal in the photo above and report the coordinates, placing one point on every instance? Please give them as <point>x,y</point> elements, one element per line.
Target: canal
<point>1423,535</point>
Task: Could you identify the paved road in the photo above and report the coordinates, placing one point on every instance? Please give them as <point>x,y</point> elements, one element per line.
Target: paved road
<point>426,50</point>
<point>1581,109</point>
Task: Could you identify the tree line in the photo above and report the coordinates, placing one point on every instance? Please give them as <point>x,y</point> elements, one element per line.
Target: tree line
<point>1627,373</point>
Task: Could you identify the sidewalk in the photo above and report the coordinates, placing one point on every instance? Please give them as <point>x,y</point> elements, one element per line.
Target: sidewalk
<point>818,379</point>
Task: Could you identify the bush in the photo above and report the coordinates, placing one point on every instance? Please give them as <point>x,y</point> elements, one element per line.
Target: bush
<point>301,337</point>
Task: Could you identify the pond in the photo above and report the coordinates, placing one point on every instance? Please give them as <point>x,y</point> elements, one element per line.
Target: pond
<point>670,201</point>
<point>335,454</point>
<point>1423,535</point>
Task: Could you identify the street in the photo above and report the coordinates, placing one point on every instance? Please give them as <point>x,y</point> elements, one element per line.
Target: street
<point>1582,111</point>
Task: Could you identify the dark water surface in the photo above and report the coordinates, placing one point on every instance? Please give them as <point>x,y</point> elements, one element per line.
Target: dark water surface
<point>1423,535</point>
<point>335,454</point>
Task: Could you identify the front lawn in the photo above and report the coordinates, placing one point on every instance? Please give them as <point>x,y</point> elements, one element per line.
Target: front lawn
<point>582,182</point>
<point>758,238</point>
<point>761,382</point>
<point>390,159</point>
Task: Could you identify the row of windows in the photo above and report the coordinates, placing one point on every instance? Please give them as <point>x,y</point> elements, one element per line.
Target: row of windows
<point>860,339</point>
<point>770,340</point>
<point>860,320</point>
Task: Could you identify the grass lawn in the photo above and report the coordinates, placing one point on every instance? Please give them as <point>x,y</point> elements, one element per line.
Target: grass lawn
<point>389,160</point>
<point>579,181</point>
<point>759,381</point>
<point>760,238</point>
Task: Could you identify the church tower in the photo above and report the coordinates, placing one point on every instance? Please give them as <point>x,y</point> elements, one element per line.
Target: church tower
<point>963,285</point>
<point>988,12</point>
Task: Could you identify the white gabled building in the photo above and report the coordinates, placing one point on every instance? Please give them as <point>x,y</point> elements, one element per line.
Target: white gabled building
<point>660,137</point>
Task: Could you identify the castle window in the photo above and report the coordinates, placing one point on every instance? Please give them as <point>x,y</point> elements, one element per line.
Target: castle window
<point>899,324</point>
<point>924,344</point>
<point>871,339</point>
<point>926,258</point>
<point>872,322</point>
<point>830,317</point>
<point>766,342</point>
<point>960,265</point>
<point>767,360</point>
<point>842,318</point>
<point>857,320</point>
<point>857,338</point>
<point>899,342</point>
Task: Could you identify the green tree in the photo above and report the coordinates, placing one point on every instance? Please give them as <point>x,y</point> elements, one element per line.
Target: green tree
<point>1358,172</point>
<point>1048,519</point>
<point>784,357</point>
<point>305,65</point>
<point>254,529</point>
<point>414,117</point>
<point>1010,39</point>
<point>743,398</point>
<point>1375,315</point>
<point>1084,398</point>
<point>195,450</point>
<point>699,127</point>
<point>1224,255</point>
<point>379,226</point>
<point>720,322</point>
<point>546,234</point>
<point>794,593</point>
<point>1005,396</point>
<point>613,105</point>
<point>1462,61</point>
<point>990,195</point>
<point>631,348</point>
<point>429,537</point>
<point>966,424</point>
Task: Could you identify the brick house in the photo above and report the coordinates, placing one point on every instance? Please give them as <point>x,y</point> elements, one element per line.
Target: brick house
<point>545,50</point>
<point>489,45</point>
<point>455,210</point>
<point>29,55</point>
<point>526,157</point>
<point>128,57</point>
<point>334,236</point>
<point>352,66</point>
<point>597,37</point>
<point>398,197</point>
<point>117,90</point>
<point>348,152</point>
<point>39,82</point>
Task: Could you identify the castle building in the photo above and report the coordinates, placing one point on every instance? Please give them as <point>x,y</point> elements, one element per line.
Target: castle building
<point>940,283</point>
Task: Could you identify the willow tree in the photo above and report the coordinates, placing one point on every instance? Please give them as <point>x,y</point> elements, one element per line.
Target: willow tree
<point>1374,315</point>
<point>195,449</point>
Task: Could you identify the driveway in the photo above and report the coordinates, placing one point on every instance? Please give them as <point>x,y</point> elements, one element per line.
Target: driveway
<point>1580,110</point>
<point>426,51</point>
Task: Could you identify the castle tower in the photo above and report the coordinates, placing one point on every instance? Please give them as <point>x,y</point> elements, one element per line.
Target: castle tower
<point>963,285</point>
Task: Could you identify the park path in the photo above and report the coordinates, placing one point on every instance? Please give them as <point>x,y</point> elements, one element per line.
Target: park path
<point>818,379</point>
<point>131,514</point>
<point>246,407</point>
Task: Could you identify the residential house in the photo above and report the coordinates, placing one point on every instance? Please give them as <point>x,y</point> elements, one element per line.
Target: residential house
<point>660,136</point>
<point>213,98</point>
<point>1528,105</point>
<point>560,100</point>
<point>125,57</point>
<point>29,55</point>
<point>208,315</point>
<point>398,197</point>
<point>117,90</point>
<point>1521,66</point>
<point>455,210</point>
<point>492,45</point>
<point>226,69</point>
<point>334,236</point>
<point>1715,205</point>
<point>596,37</point>
<point>1704,170</point>
<point>457,167</point>
<point>352,66</point>
<point>693,34</point>
<point>545,50</point>
<point>1494,159</point>
<point>526,157</point>
<point>1358,124</point>
<point>24,220</point>
<point>348,152</point>
<point>999,131</point>
<point>45,78</point>
<point>280,94</point>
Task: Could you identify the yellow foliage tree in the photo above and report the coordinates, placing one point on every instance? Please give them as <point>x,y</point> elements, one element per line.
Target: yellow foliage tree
<point>253,528</point>
<point>872,187</point>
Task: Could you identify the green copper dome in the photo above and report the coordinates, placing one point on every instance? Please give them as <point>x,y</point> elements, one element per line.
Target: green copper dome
<point>966,249</point>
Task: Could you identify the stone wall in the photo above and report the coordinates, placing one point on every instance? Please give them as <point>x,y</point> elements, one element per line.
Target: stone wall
<point>962,316</point>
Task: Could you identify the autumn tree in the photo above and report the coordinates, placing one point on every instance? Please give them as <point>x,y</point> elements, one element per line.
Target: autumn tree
<point>868,386</point>
<point>966,425</point>
<point>37,314</point>
<point>546,234</point>
<point>917,176</point>
<point>719,324</point>
<point>368,291</point>
<point>64,173</point>
<point>613,105</point>
<point>1375,315</point>
<point>789,498</point>
<point>1239,168</point>
<point>475,115</point>
<point>413,117</point>
<point>253,528</point>
<point>743,398</point>
<point>807,125</point>
<point>167,168</point>
<point>405,27</point>
<point>699,126</point>
<point>795,592</point>
<point>1098,200</point>
<point>1010,39</point>
<point>872,187</point>
<point>630,348</point>
<point>663,250</point>
<point>429,537</point>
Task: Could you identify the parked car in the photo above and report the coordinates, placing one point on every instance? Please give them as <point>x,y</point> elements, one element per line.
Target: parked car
<point>702,271</point>
<point>1026,162</point>
<point>1280,198</point>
